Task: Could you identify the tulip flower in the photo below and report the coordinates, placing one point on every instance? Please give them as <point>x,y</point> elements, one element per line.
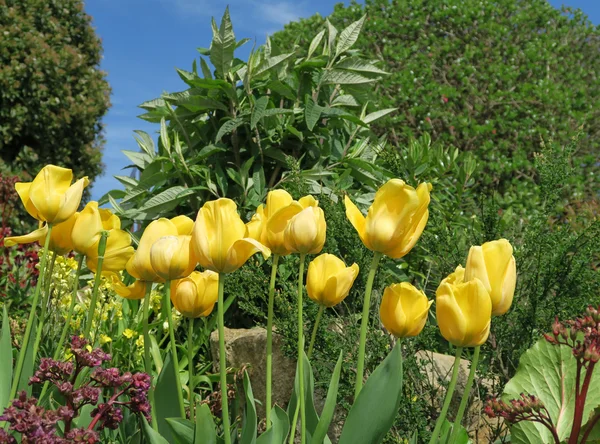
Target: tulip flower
<point>60,238</point>
<point>305,232</point>
<point>195,295</point>
<point>464,313</point>
<point>90,223</point>
<point>220,238</point>
<point>395,220</point>
<point>137,290</point>
<point>404,310</point>
<point>117,253</point>
<point>494,265</point>
<point>172,257</point>
<point>328,280</point>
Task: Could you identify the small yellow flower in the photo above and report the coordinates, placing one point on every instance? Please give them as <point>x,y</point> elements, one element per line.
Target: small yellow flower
<point>129,333</point>
<point>139,342</point>
<point>104,339</point>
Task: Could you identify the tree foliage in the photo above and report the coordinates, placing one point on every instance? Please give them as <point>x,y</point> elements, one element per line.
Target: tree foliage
<point>52,92</point>
<point>491,77</point>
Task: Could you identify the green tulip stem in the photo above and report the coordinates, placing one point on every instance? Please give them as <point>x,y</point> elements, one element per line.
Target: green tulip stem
<point>364,323</point>
<point>147,360</point>
<point>45,301</point>
<point>223,362</point>
<point>451,387</point>
<point>301,351</point>
<point>269,403</point>
<point>97,281</point>
<point>313,337</point>
<point>34,304</point>
<point>465,397</point>
<point>167,306</point>
<point>190,350</point>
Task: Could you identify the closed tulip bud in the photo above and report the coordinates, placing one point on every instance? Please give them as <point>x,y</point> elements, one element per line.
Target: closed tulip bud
<point>305,232</point>
<point>172,257</point>
<point>116,255</point>
<point>494,265</point>
<point>137,290</point>
<point>196,295</point>
<point>404,310</point>
<point>90,223</point>
<point>395,220</point>
<point>51,197</point>
<point>328,281</point>
<point>464,313</point>
<point>60,238</point>
<point>220,240</point>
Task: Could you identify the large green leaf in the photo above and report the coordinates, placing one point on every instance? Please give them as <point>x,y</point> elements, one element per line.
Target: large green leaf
<point>378,401</point>
<point>271,62</point>
<point>29,363</point>
<point>151,435</point>
<point>182,429</point>
<point>330,402</point>
<point>223,45</point>
<point>349,35</point>
<point>359,65</point>
<point>249,426</point>
<point>228,127</point>
<point>371,117</point>
<point>165,199</point>
<point>312,112</point>
<point>259,110</point>
<point>205,432</point>
<point>6,363</point>
<point>280,428</point>
<point>166,401</point>
<point>315,43</point>
<point>549,372</point>
<point>345,77</point>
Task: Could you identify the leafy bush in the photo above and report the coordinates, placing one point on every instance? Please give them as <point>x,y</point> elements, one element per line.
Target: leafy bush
<point>52,92</point>
<point>492,78</point>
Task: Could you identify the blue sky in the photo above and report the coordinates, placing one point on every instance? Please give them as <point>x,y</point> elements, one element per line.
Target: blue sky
<point>145,40</point>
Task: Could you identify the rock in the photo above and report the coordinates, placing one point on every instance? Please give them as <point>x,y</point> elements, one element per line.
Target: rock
<point>438,369</point>
<point>249,347</point>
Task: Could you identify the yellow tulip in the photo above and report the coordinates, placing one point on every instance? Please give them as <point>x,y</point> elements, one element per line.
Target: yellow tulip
<point>118,252</point>
<point>90,223</point>
<point>305,232</point>
<point>395,220</point>
<point>464,312</point>
<point>51,197</point>
<point>456,277</point>
<point>184,225</point>
<point>196,295</point>
<point>494,265</point>
<point>172,257</point>
<point>139,265</point>
<point>328,281</point>
<point>220,238</point>
<point>404,310</point>
<point>137,290</point>
<point>60,238</point>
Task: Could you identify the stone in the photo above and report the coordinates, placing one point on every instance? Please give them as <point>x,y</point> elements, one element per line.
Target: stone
<point>248,347</point>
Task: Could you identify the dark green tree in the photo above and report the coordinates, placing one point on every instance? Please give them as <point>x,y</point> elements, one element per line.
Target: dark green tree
<point>52,92</point>
<point>491,77</point>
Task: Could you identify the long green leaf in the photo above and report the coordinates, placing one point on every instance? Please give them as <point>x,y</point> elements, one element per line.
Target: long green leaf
<point>28,366</point>
<point>349,36</point>
<point>315,43</point>
<point>145,142</point>
<point>152,436</point>
<point>371,117</point>
<point>165,399</point>
<point>167,198</point>
<point>200,103</point>
<point>360,65</point>
<point>6,370</point>
<point>182,429</point>
<point>259,110</point>
<point>378,401</point>
<point>271,62</point>
<point>312,112</point>
<point>330,401</point>
<point>205,432</point>
<point>140,160</point>
<point>345,77</point>
<point>249,426</point>
<point>228,127</point>
<point>205,69</point>
<point>280,428</point>
<point>223,45</point>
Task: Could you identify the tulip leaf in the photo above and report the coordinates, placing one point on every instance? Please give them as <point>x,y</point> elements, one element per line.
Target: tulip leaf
<point>28,363</point>
<point>330,402</point>
<point>379,401</point>
<point>165,398</point>
<point>205,432</point>
<point>6,363</point>
<point>182,429</point>
<point>249,427</point>
<point>462,438</point>
<point>151,435</point>
<point>280,428</point>
<point>549,372</point>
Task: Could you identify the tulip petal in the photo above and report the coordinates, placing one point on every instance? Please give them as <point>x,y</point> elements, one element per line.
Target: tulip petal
<point>451,320</point>
<point>308,201</point>
<point>184,225</point>
<point>276,200</point>
<point>240,252</point>
<point>276,225</point>
<point>392,313</point>
<point>137,290</point>
<point>60,239</point>
<point>508,289</point>
<point>48,189</point>
<point>87,228</point>
<point>476,306</point>
<point>71,200</point>
<point>254,228</point>
<point>139,265</point>
<point>338,286</point>
<point>357,219</point>
<point>110,221</point>
<point>116,256</point>
<point>38,235</point>
<point>22,189</point>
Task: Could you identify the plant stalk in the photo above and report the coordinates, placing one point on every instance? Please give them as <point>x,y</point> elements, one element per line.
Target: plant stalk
<point>313,336</point>
<point>364,323</point>
<point>147,360</point>
<point>45,301</point>
<point>190,341</point>
<point>223,362</point>
<point>167,304</point>
<point>580,404</point>
<point>465,397</point>
<point>97,281</point>
<point>301,397</point>
<point>269,402</point>
<point>30,319</point>
<point>451,387</point>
